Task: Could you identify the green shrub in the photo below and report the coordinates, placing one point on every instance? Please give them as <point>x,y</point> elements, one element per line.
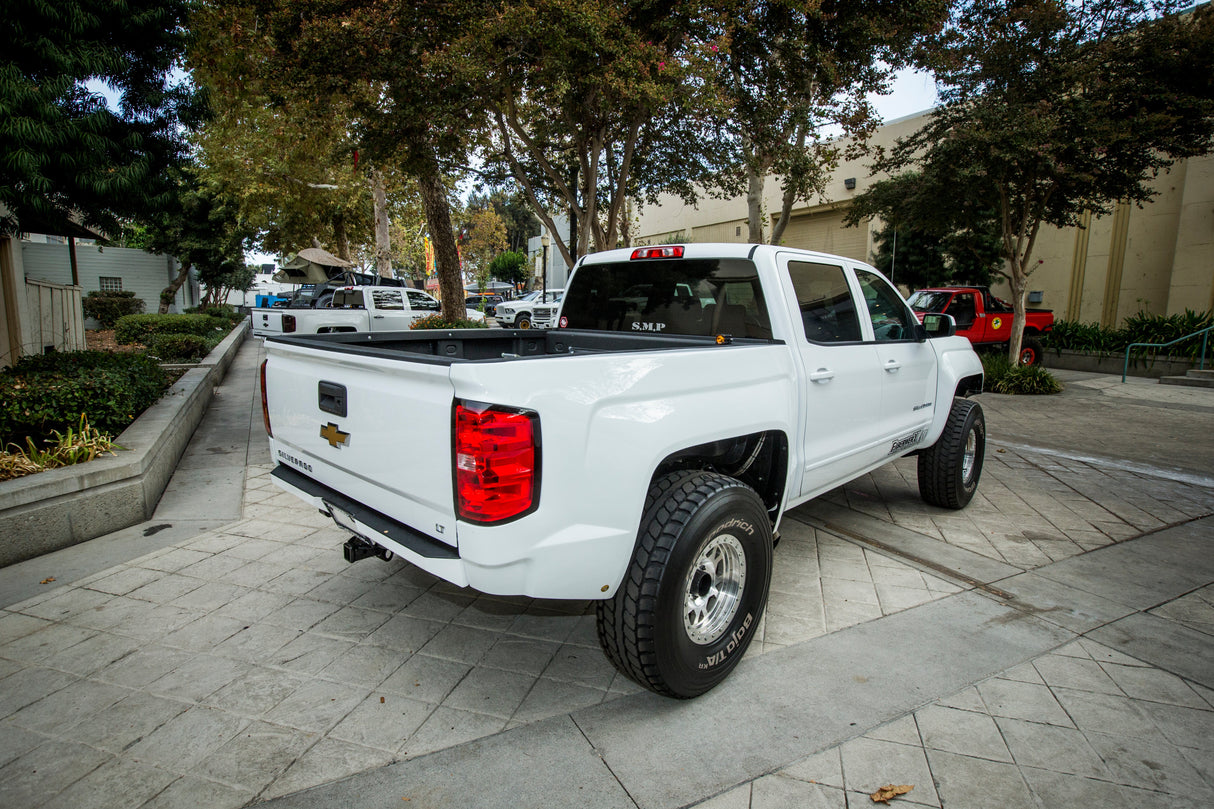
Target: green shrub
<point>223,311</point>
<point>179,347</point>
<point>47,393</point>
<point>1137,328</point>
<point>107,307</point>
<point>437,322</point>
<point>1001,376</point>
<point>140,328</point>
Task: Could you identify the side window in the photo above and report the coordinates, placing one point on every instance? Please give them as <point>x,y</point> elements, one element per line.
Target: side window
<point>891,318</point>
<point>962,309</point>
<point>828,311</point>
<point>421,302</point>
<point>387,299</point>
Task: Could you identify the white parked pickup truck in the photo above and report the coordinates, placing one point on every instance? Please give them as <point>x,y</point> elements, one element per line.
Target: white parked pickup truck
<point>640,454</point>
<point>533,310</point>
<point>353,309</point>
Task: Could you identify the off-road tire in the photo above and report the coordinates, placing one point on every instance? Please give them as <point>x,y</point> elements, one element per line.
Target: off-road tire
<point>523,322</point>
<point>946,479</point>
<point>643,628</point>
<point>1030,351</point>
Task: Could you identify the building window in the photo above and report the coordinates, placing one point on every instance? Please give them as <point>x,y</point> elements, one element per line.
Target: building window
<point>110,284</point>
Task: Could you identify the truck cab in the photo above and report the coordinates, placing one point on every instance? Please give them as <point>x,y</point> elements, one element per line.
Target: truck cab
<point>984,319</point>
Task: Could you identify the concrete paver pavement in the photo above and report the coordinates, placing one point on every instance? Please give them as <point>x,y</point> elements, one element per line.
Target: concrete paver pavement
<point>227,664</point>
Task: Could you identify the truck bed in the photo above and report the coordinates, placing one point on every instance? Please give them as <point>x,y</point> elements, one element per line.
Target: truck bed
<point>498,345</point>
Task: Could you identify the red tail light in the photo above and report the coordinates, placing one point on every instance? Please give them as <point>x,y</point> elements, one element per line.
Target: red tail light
<point>265,403</point>
<point>288,323</point>
<point>496,462</point>
<point>667,251</point>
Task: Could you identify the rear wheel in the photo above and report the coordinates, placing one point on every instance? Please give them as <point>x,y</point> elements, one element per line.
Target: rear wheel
<point>692,598</point>
<point>1030,352</point>
<point>949,469</point>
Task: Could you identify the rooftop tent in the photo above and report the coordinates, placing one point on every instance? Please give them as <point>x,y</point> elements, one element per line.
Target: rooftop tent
<point>311,266</point>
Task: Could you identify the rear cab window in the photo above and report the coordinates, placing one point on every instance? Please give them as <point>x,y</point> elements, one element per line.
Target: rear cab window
<point>701,297</point>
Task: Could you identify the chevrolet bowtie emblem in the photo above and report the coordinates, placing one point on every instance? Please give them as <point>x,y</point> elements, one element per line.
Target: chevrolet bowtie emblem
<point>333,434</point>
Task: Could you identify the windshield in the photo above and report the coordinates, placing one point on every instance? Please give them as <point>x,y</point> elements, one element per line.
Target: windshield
<point>694,296</point>
<point>925,300</point>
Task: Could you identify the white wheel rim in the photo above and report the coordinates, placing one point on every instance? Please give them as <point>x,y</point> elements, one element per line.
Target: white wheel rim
<point>713,590</point>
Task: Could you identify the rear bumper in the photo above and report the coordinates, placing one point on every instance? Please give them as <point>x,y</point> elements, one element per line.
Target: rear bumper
<point>423,551</point>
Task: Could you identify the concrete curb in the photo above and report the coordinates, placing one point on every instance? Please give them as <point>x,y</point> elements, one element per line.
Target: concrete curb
<point>61,507</point>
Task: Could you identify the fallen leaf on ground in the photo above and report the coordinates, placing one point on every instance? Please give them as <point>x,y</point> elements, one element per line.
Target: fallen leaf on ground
<point>888,791</point>
<point>47,580</point>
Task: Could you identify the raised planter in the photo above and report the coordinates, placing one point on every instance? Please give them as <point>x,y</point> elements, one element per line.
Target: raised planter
<point>1141,364</point>
<point>61,507</point>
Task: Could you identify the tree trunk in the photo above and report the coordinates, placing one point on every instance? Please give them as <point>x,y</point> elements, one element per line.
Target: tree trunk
<point>383,243</point>
<point>754,205</point>
<point>446,257</point>
<point>1019,283</point>
<point>169,294</point>
<point>341,236</point>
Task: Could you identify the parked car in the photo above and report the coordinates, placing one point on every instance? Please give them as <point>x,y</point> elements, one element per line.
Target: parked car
<point>484,302</point>
<point>520,313</point>
<point>352,309</point>
<point>643,458</point>
<point>983,319</point>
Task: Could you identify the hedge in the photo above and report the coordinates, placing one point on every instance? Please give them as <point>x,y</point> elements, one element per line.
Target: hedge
<point>180,347</point>
<point>140,328</point>
<point>1137,328</point>
<point>48,392</point>
<point>107,307</point>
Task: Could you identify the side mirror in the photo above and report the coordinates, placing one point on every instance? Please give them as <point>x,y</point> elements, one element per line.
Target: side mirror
<point>939,326</point>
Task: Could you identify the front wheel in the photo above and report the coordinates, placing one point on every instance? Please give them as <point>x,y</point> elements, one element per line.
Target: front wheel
<point>692,598</point>
<point>524,322</point>
<point>949,469</point>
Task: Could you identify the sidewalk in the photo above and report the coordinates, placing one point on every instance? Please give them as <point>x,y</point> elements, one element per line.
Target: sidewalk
<point>1050,643</point>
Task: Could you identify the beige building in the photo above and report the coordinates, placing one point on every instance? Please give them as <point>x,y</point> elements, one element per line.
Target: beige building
<point>1159,258</point>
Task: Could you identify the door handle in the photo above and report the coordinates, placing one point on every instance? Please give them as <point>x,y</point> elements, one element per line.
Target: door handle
<point>378,317</point>
<point>822,375</point>
<point>892,365</point>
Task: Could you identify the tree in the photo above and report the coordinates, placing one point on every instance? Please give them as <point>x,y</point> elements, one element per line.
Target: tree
<point>289,159</point>
<point>200,227</point>
<point>792,72</point>
<point>411,106</point>
<point>1054,109</point>
<point>593,103</point>
<point>483,238</point>
<point>924,242</point>
<point>510,266</point>
<point>62,149</point>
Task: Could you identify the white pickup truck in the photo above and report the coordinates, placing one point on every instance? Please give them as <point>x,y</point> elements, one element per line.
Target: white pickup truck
<point>533,310</point>
<point>352,309</point>
<point>642,453</point>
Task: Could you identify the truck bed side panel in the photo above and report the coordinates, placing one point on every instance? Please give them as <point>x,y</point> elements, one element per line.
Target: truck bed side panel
<point>607,422</point>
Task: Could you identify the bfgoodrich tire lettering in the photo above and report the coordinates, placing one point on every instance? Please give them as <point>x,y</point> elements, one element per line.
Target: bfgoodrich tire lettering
<point>694,593</point>
<point>949,470</point>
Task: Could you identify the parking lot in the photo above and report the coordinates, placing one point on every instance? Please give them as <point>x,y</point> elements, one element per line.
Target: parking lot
<point>1051,643</point>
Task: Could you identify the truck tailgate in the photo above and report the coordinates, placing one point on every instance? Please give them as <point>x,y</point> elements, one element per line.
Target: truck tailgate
<point>267,322</point>
<point>374,429</point>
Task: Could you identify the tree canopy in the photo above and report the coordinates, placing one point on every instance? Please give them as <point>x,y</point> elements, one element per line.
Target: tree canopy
<point>1052,109</point>
<point>63,151</point>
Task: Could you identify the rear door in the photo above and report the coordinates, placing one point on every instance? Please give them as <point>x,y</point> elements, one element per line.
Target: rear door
<point>388,309</point>
<point>377,430</point>
<point>841,380</point>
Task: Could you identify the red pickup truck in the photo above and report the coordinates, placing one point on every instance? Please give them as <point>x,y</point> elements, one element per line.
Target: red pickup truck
<point>984,319</point>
